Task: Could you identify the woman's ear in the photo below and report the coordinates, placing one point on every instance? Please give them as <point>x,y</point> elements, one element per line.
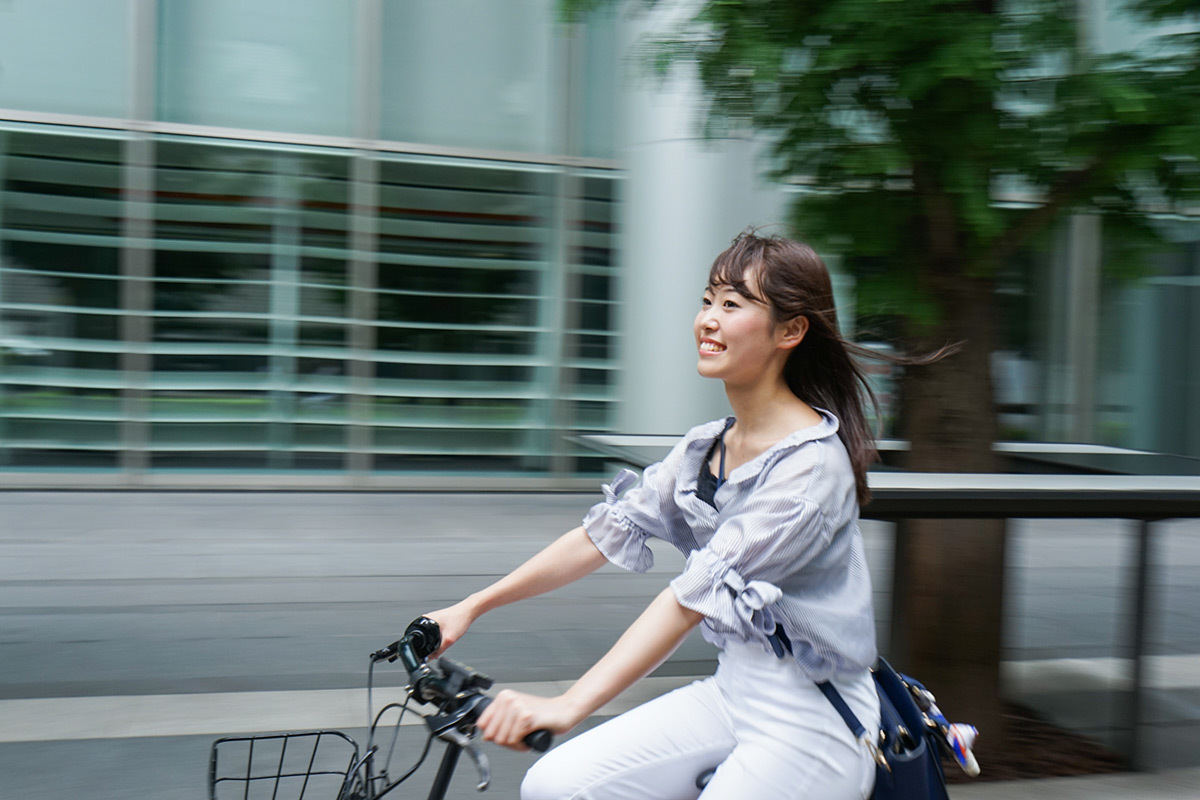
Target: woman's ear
<point>792,332</point>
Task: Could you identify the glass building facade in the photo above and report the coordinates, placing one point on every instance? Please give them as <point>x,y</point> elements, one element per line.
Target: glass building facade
<point>367,243</point>
<point>340,239</point>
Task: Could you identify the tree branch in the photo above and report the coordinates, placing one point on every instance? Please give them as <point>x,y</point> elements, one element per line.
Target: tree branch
<point>1063,192</point>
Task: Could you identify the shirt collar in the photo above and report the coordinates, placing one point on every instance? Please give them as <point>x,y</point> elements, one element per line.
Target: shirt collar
<point>704,435</point>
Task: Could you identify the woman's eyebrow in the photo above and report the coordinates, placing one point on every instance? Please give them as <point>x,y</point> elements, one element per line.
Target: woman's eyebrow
<point>747,296</point>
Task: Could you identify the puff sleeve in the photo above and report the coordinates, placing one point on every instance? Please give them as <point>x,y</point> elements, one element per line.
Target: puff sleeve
<point>630,514</point>
<point>734,580</point>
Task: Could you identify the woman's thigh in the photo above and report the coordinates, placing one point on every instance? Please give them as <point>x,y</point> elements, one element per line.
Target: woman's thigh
<point>819,769</point>
<point>653,752</point>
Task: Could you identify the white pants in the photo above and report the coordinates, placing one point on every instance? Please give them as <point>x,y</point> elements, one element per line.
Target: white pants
<point>767,729</point>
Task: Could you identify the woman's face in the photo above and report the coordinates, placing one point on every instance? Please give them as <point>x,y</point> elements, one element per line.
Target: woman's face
<point>736,338</point>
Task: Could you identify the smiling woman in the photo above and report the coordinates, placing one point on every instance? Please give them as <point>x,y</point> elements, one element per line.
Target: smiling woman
<point>764,504</point>
<point>776,301</point>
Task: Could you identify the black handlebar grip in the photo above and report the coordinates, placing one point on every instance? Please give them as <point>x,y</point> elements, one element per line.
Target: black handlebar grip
<point>425,636</point>
<point>539,740</point>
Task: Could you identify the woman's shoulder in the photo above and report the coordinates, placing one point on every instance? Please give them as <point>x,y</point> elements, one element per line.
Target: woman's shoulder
<point>707,430</point>
<point>700,437</point>
<point>799,448</point>
<point>692,446</point>
<point>816,467</point>
<point>813,456</point>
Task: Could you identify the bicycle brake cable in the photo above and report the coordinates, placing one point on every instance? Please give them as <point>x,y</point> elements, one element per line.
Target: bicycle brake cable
<point>407,775</point>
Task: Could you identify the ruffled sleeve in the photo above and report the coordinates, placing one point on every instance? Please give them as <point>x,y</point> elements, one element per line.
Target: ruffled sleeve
<point>630,513</point>
<point>734,581</point>
<point>711,586</point>
<point>612,531</point>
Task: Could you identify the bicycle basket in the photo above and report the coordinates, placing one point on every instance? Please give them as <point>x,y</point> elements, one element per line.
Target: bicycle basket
<point>286,766</point>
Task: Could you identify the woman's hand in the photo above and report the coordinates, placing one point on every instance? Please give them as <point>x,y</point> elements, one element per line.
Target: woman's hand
<point>514,715</point>
<point>453,621</point>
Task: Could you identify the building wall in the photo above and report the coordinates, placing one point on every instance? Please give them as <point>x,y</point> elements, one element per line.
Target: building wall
<point>366,242</point>
<point>341,239</point>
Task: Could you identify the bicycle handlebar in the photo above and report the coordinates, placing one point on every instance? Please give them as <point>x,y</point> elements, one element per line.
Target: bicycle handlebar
<point>539,740</point>
<point>456,687</point>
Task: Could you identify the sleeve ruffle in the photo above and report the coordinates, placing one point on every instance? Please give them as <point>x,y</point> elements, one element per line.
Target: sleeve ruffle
<point>715,589</point>
<point>616,536</point>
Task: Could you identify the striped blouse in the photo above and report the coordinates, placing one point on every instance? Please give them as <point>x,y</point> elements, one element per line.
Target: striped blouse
<point>782,547</point>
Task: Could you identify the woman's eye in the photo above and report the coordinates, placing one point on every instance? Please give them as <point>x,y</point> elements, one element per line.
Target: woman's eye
<point>730,304</point>
<point>705,301</point>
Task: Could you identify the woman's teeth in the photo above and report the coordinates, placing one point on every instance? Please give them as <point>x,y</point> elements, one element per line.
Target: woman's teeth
<point>711,347</point>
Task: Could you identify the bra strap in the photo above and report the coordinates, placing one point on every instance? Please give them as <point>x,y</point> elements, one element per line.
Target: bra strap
<point>721,467</point>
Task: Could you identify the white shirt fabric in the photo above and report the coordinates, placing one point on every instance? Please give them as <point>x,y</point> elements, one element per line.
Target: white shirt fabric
<point>781,547</point>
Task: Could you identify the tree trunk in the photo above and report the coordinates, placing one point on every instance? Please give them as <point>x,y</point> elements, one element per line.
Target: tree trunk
<point>949,583</point>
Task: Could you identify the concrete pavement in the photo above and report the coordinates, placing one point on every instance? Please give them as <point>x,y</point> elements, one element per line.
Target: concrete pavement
<point>136,626</point>
<point>1181,784</point>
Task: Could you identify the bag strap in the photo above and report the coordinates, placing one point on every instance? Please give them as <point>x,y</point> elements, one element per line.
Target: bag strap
<point>860,733</point>
<point>839,703</point>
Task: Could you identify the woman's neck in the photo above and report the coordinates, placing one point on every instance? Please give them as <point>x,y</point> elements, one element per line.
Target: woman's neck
<point>767,412</point>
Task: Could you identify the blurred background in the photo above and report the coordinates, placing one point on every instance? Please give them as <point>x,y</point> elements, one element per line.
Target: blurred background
<point>320,246</point>
<point>361,242</point>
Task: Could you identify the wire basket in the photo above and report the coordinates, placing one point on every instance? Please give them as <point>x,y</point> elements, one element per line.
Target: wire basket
<point>286,766</point>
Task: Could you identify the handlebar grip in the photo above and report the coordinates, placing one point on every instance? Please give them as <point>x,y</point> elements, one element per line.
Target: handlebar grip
<point>538,741</point>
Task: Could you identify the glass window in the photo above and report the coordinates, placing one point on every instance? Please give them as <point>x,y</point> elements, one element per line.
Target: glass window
<point>282,65</point>
<point>1147,367</point>
<point>251,299</point>
<point>60,299</point>
<point>65,56</point>
<point>470,73</point>
<point>250,314</point>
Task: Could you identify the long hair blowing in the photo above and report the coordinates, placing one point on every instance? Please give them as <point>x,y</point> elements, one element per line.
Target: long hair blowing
<point>823,369</point>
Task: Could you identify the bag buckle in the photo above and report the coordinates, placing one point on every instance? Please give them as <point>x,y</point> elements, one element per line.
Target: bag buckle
<point>875,752</point>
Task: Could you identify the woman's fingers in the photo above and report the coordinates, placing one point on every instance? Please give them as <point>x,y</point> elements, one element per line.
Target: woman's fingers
<point>512,718</point>
<point>509,718</point>
<point>453,622</point>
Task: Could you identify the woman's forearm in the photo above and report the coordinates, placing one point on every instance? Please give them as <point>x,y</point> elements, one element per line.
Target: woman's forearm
<point>568,558</point>
<point>648,642</point>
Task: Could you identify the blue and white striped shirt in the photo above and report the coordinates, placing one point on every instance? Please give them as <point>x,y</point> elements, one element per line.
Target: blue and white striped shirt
<point>784,547</point>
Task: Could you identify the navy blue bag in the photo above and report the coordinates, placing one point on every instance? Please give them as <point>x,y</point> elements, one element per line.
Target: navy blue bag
<point>906,750</point>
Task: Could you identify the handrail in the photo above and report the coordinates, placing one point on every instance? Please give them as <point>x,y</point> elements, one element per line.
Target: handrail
<point>978,495</point>
<point>909,495</point>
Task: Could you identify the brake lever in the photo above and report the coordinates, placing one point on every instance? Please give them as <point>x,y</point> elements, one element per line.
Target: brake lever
<point>464,742</point>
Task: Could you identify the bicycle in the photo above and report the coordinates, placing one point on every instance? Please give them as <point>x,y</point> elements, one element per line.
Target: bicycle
<point>455,691</point>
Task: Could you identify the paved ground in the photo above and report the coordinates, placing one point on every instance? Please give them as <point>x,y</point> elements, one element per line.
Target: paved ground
<point>1171,785</point>
<point>135,627</point>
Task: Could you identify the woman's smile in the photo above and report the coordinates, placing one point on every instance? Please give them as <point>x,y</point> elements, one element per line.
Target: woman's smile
<point>731,323</point>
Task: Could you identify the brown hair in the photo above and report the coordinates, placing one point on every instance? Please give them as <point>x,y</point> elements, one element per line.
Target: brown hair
<point>822,370</point>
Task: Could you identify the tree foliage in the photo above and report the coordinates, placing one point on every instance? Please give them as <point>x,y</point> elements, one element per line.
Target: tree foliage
<point>939,138</point>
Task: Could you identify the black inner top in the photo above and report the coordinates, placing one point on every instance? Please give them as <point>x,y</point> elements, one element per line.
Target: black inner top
<point>707,483</point>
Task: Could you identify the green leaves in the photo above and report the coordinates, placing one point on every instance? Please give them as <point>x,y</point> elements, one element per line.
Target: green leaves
<point>995,104</point>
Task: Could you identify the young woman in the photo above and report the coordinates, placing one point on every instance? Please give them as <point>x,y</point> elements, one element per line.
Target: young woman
<point>764,504</point>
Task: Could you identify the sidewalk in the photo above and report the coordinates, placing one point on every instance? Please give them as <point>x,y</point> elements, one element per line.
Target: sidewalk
<point>1172,785</point>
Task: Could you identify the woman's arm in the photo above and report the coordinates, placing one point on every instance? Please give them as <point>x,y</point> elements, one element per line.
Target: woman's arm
<point>647,643</point>
<point>568,558</point>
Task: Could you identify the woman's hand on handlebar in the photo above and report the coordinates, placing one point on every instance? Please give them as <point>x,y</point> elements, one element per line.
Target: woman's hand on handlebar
<point>454,621</point>
<point>512,715</point>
